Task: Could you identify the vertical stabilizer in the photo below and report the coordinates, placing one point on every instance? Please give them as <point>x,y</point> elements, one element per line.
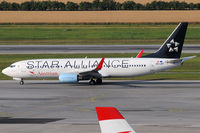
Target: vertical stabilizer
<point>172,47</point>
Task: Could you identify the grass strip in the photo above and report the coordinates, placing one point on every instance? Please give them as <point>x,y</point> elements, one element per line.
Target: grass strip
<point>93,34</point>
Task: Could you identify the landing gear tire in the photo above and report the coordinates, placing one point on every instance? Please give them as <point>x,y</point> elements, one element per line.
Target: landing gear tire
<point>99,81</point>
<point>21,82</point>
<point>92,82</point>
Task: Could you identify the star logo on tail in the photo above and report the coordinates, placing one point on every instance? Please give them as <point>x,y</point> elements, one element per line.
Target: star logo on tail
<point>173,46</point>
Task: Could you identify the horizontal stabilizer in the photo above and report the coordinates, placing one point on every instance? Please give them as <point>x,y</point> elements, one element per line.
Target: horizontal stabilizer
<point>187,58</point>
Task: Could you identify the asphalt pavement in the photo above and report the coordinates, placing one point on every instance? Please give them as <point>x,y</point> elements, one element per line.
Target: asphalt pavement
<point>53,49</point>
<point>150,106</point>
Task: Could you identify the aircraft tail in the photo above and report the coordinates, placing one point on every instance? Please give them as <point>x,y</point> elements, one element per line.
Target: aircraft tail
<point>111,121</point>
<point>172,47</point>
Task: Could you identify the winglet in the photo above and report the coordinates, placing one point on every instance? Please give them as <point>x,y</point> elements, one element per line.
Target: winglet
<point>100,64</point>
<point>140,54</point>
<point>111,121</point>
<point>108,113</point>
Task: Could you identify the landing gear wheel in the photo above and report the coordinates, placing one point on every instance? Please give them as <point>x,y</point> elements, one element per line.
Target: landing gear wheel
<point>92,82</point>
<point>99,81</point>
<point>21,82</point>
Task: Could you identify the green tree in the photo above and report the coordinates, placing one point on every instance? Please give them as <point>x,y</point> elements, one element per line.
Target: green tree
<point>57,6</point>
<point>118,6</point>
<point>84,6</point>
<point>192,6</point>
<point>71,6</point>
<point>161,5</point>
<point>96,5</point>
<point>183,6</point>
<point>198,6</point>
<point>42,6</point>
<point>15,6</point>
<point>158,5</point>
<point>128,5</point>
<point>174,5</point>
<point>28,6</point>
<point>139,6</point>
<point>61,6</point>
<point>49,5</point>
<point>5,6</point>
<point>108,5</point>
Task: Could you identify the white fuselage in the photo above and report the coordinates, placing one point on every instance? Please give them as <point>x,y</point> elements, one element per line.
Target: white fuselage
<point>112,67</point>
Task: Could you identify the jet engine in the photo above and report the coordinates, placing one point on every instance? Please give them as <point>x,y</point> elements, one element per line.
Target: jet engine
<point>68,78</point>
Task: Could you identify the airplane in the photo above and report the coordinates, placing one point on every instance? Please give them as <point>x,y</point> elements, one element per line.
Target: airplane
<point>73,70</point>
<point>111,121</point>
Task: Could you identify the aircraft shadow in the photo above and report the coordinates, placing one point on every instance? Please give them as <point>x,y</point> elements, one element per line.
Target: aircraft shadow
<point>7,120</point>
<point>125,83</point>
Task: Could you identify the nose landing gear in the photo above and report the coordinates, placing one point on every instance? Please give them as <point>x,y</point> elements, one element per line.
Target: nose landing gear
<point>21,82</point>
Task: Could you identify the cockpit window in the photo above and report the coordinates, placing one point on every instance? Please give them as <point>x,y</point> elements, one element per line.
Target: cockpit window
<point>12,66</point>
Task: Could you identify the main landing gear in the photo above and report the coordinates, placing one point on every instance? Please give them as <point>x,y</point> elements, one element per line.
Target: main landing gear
<point>21,82</point>
<point>99,81</point>
<point>93,82</point>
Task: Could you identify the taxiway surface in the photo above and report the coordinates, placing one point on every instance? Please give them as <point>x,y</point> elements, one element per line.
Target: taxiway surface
<point>38,49</point>
<point>157,106</point>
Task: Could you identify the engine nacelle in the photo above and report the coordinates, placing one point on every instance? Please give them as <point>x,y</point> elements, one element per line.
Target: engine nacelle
<point>68,78</point>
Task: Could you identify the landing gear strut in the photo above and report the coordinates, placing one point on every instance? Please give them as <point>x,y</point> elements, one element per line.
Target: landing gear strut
<point>93,82</point>
<point>21,82</point>
<point>99,81</point>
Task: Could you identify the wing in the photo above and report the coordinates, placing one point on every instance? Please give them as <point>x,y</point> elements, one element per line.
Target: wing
<point>111,121</point>
<point>94,72</point>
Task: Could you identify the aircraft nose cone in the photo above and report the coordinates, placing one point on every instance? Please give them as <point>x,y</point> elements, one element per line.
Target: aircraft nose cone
<point>4,71</point>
